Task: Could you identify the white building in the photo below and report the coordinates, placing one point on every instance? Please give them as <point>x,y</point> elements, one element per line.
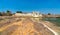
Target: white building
<point>34,14</point>
<point>37,14</point>
<point>23,14</point>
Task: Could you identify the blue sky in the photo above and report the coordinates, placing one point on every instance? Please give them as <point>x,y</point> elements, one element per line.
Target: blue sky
<point>44,6</point>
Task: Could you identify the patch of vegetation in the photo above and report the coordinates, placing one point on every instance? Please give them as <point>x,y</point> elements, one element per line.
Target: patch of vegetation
<point>19,12</point>
<point>56,21</point>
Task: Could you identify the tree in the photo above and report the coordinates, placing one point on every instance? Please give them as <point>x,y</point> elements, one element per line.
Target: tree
<point>8,13</point>
<point>49,13</point>
<point>0,14</point>
<point>19,12</point>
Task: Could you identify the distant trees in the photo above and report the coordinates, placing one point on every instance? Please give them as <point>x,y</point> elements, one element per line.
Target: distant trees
<point>0,14</point>
<point>8,13</point>
<point>49,13</point>
<point>19,12</point>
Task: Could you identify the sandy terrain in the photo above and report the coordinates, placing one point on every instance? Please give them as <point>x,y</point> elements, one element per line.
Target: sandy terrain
<point>52,26</point>
<point>24,27</point>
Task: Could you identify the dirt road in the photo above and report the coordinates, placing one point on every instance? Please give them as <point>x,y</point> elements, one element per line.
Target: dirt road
<point>25,26</point>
